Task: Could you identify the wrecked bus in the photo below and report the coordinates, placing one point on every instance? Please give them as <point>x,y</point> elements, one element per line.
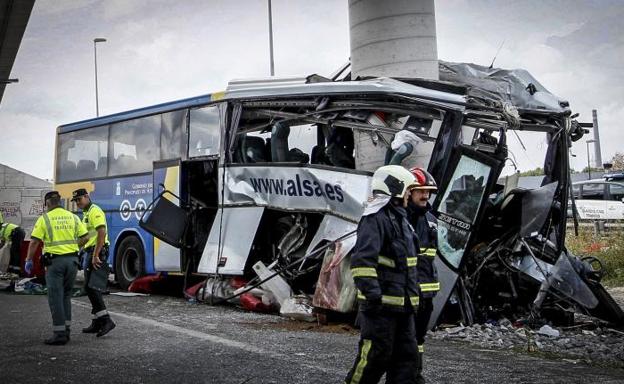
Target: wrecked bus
<point>269,179</point>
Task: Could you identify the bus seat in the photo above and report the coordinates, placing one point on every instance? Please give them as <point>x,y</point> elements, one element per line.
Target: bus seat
<point>279,142</point>
<point>267,149</point>
<point>68,167</point>
<point>85,168</point>
<point>253,147</point>
<point>297,155</point>
<point>318,156</point>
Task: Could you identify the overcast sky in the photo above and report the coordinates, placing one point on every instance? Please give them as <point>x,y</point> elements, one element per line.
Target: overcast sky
<point>162,50</point>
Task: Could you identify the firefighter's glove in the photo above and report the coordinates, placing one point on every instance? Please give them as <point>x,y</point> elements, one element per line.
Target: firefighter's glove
<point>28,267</point>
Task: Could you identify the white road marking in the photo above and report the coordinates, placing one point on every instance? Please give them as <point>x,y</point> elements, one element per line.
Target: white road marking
<point>215,339</point>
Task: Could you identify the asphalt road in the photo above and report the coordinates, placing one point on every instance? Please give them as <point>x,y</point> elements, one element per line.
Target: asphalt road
<point>167,340</point>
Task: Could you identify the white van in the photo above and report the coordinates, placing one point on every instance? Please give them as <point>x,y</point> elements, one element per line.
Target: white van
<point>601,199</point>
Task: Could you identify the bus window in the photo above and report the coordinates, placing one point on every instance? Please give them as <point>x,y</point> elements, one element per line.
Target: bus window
<point>292,143</point>
<point>82,154</point>
<point>283,143</point>
<point>172,145</point>
<point>205,131</point>
<point>134,146</point>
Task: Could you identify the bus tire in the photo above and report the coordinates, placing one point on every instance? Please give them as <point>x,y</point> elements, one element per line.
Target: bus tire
<point>129,261</point>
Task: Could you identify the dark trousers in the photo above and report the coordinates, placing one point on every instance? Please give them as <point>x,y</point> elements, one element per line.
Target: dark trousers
<point>17,237</point>
<point>98,308</point>
<point>60,277</point>
<point>387,345</point>
<point>422,320</point>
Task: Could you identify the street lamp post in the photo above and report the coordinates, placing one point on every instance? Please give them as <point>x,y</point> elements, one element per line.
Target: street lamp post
<point>272,64</point>
<point>95,41</point>
<point>588,163</point>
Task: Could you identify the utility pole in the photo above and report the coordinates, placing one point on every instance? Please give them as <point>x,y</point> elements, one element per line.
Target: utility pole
<point>271,39</point>
<point>97,104</point>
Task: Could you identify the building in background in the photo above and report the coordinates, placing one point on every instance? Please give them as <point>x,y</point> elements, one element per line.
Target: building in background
<point>21,197</point>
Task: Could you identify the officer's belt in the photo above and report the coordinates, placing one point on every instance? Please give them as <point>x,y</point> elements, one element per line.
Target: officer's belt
<point>72,254</point>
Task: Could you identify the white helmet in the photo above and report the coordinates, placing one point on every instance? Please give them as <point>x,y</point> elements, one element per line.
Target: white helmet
<point>393,180</point>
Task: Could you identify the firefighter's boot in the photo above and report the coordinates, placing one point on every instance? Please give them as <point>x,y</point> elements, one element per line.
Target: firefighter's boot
<point>419,367</point>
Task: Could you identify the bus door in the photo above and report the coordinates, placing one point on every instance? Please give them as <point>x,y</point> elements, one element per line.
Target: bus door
<point>166,176</point>
<point>458,206</point>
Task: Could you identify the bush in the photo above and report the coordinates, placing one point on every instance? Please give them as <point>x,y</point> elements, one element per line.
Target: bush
<point>609,249</point>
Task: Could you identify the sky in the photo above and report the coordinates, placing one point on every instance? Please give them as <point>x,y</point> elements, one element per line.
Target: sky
<point>161,50</point>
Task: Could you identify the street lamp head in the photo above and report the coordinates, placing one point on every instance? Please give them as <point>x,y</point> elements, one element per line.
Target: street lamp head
<point>99,40</point>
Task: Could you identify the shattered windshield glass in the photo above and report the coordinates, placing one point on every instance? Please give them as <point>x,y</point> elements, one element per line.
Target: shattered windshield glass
<point>459,207</point>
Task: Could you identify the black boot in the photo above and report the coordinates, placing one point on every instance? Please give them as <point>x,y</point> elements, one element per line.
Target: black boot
<point>94,327</point>
<point>59,338</point>
<point>107,325</point>
<point>67,332</point>
<point>419,368</point>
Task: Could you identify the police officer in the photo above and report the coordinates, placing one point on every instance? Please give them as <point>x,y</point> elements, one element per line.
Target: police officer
<point>14,234</point>
<point>383,265</point>
<point>62,233</point>
<point>96,256</point>
<point>424,223</point>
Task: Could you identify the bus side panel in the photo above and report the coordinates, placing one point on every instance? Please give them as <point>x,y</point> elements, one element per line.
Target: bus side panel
<point>128,197</point>
<point>123,199</point>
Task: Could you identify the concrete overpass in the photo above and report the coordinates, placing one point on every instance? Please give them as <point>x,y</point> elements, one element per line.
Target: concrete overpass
<point>14,15</point>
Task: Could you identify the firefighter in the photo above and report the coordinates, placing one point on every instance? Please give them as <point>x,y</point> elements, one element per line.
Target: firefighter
<point>62,234</point>
<point>14,234</point>
<point>424,223</point>
<point>96,256</point>
<point>383,265</point>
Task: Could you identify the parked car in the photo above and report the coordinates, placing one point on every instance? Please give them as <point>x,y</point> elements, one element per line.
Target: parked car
<point>601,199</point>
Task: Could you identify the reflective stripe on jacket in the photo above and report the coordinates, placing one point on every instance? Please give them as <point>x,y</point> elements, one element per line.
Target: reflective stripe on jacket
<point>59,230</point>
<point>424,224</point>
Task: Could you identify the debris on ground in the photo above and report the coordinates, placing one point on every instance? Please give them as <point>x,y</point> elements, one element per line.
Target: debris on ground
<point>596,344</point>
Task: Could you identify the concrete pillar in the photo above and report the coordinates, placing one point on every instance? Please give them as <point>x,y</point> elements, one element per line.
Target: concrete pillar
<point>391,38</point>
<point>394,38</point>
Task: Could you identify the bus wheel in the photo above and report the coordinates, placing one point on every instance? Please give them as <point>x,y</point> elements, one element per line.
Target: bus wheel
<point>129,261</point>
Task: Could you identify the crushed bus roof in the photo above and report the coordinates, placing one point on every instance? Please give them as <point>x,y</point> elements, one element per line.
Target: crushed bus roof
<point>277,88</point>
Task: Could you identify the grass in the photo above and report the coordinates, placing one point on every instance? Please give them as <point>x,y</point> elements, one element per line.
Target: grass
<point>608,248</point>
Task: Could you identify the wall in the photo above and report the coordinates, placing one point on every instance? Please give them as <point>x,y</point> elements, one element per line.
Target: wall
<point>21,197</point>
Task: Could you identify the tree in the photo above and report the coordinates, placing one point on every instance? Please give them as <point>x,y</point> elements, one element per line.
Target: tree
<point>618,161</point>
<point>533,172</point>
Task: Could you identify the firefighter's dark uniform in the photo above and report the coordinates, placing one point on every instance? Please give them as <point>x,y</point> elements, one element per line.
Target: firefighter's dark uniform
<point>383,265</point>
<point>424,224</point>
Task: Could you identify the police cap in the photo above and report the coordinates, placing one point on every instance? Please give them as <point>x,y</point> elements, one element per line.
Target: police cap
<point>78,193</point>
